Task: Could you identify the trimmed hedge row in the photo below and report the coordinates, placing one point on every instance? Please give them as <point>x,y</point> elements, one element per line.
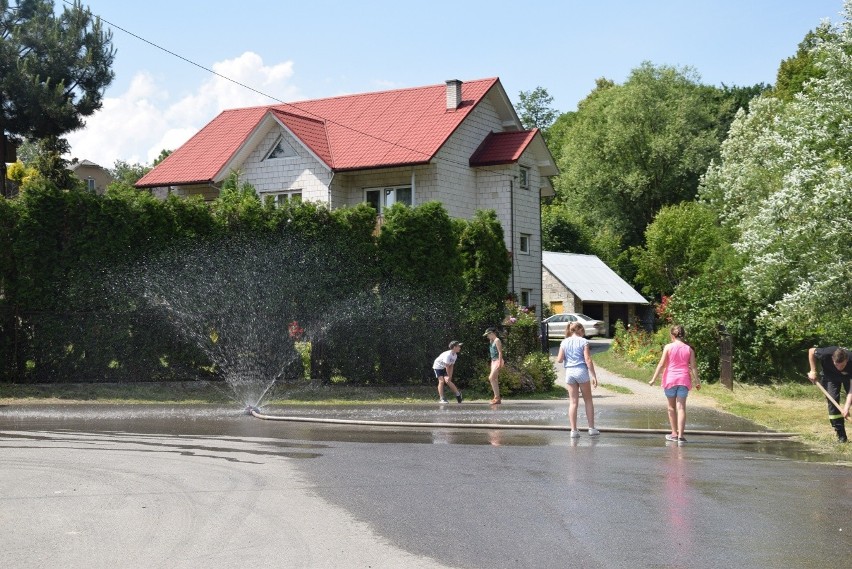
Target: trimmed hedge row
<point>71,307</point>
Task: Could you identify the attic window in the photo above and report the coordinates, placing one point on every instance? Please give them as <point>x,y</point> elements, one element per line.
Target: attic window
<point>281,150</point>
<point>525,178</point>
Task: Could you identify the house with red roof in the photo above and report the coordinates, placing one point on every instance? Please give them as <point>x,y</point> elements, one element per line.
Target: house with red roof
<point>459,143</point>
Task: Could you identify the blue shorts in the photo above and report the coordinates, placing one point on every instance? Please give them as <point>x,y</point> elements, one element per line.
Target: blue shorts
<point>680,391</point>
<point>439,373</point>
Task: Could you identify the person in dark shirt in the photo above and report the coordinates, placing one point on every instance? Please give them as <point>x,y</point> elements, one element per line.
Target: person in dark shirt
<point>835,374</point>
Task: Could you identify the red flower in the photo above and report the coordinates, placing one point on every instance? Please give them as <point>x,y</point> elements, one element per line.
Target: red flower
<point>295,330</point>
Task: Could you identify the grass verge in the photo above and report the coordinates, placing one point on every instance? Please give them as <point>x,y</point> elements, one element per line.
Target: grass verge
<point>788,407</point>
<point>617,388</point>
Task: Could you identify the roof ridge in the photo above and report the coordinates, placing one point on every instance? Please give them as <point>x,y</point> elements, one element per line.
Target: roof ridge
<point>400,90</point>
<point>321,120</point>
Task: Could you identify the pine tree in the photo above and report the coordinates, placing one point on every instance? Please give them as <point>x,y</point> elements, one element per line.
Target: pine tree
<point>53,70</point>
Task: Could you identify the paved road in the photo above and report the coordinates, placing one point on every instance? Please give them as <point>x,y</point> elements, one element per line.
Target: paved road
<point>157,487</point>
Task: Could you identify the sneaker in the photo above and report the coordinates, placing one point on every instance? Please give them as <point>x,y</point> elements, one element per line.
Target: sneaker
<point>671,438</point>
<point>459,397</point>
<point>443,401</point>
<point>681,441</point>
<point>575,434</point>
<point>593,432</point>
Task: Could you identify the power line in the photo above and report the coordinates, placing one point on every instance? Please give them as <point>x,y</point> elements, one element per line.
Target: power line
<point>314,115</point>
<point>324,119</point>
<point>291,105</point>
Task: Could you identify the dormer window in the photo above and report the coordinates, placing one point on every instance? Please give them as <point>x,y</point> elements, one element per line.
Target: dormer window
<point>281,149</point>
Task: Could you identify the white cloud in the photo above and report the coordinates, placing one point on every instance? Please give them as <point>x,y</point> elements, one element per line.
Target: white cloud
<point>142,121</point>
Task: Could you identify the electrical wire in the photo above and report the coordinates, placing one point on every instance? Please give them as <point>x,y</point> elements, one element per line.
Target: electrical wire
<point>273,98</point>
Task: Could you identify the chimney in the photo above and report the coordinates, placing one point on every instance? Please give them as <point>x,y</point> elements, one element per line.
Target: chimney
<point>454,95</point>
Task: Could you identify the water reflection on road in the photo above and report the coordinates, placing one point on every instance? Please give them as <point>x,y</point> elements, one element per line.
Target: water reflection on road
<point>489,497</point>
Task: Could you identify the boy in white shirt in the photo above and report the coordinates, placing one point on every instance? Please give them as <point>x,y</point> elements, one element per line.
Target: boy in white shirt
<point>443,368</point>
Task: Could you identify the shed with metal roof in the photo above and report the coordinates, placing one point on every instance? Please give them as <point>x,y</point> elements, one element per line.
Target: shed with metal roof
<point>583,283</point>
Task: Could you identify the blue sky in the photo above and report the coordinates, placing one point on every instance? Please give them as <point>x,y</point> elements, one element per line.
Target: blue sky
<point>322,48</point>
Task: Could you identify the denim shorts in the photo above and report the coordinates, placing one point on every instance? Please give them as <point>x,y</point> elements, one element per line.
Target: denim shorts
<point>680,391</point>
<point>576,375</point>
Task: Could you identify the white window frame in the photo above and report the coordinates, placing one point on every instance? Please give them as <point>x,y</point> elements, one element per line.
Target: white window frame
<point>524,178</point>
<point>90,184</point>
<point>275,145</point>
<point>388,195</point>
<point>524,243</point>
<point>284,196</point>
<point>526,294</point>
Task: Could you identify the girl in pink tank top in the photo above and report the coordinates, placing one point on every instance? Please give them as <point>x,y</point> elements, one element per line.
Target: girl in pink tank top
<point>680,374</point>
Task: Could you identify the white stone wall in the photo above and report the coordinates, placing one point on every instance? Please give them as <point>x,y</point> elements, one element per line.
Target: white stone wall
<point>449,179</point>
<point>206,191</point>
<point>519,213</point>
<point>303,172</point>
<point>348,188</point>
<point>527,212</point>
<point>458,187</point>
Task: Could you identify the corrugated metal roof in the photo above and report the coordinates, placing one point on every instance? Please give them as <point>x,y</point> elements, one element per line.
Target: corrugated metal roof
<point>349,132</point>
<point>502,148</point>
<point>589,278</point>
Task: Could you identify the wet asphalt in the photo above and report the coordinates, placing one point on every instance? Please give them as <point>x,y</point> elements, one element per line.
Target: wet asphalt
<point>154,486</point>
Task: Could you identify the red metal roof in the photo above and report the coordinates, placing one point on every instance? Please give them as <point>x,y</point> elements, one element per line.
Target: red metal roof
<point>502,148</point>
<point>203,155</point>
<point>352,132</point>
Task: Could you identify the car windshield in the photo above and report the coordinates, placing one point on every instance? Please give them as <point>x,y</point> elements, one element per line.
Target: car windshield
<point>584,317</point>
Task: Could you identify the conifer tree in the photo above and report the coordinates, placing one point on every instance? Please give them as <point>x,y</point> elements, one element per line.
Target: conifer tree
<point>53,70</point>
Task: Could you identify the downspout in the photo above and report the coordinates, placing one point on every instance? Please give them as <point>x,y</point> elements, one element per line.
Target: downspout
<point>512,229</point>
<point>540,257</point>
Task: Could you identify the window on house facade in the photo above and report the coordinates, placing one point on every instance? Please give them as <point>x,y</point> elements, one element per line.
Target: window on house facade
<point>525,243</point>
<point>525,178</point>
<point>281,149</point>
<point>283,197</point>
<point>526,294</point>
<point>90,184</point>
<point>382,198</point>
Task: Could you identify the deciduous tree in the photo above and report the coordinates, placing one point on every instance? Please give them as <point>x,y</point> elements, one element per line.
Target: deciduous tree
<point>677,245</point>
<point>535,109</point>
<point>783,184</point>
<point>633,148</point>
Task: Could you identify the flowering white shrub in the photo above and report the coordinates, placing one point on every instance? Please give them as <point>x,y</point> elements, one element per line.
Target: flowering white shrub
<point>784,182</point>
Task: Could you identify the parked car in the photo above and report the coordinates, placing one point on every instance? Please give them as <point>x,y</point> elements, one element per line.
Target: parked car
<point>557,324</point>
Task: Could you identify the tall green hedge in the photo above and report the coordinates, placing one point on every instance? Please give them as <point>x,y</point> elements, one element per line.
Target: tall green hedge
<point>71,310</point>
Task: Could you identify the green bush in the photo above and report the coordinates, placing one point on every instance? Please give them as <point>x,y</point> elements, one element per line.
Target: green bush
<point>511,380</point>
<point>539,367</point>
<point>522,333</point>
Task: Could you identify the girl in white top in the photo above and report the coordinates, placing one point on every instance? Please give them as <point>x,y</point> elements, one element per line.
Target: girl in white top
<point>580,375</point>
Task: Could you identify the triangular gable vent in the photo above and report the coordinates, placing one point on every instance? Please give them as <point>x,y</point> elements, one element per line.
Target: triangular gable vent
<point>281,149</point>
